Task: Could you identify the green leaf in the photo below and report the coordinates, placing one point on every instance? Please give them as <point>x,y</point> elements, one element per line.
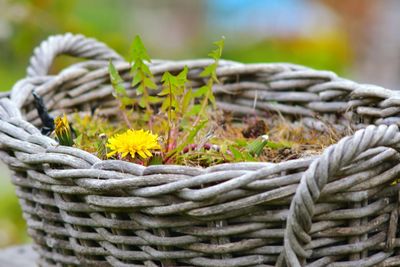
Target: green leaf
<point>174,103</point>
<point>165,105</point>
<point>182,76</point>
<point>217,53</point>
<point>249,157</point>
<point>201,91</point>
<point>164,92</point>
<point>142,76</point>
<point>149,83</point>
<point>241,142</point>
<point>140,89</point>
<point>145,69</point>
<point>187,99</point>
<point>209,70</point>
<point>192,134</point>
<point>126,101</point>
<point>156,159</point>
<point>274,145</point>
<point>137,78</point>
<point>120,92</point>
<point>167,77</point>
<point>78,140</point>
<point>194,110</point>
<point>212,99</point>
<point>146,116</point>
<point>257,146</point>
<point>223,148</point>
<point>138,51</point>
<point>114,75</point>
<point>154,99</point>
<point>116,80</point>
<point>142,102</point>
<point>236,153</point>
<point>173,115</point>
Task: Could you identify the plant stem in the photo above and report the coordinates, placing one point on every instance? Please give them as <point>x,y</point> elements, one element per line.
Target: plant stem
<point>169,115</point>
<point>203,104</point>
<point>125,117</point>
<point>145,93</point>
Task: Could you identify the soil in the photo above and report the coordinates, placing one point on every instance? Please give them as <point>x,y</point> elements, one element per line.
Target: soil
<point>255,129</point>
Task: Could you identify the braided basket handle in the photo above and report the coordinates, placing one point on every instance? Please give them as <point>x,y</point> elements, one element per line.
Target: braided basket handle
<point>314,180</point>
<point>67,44</point>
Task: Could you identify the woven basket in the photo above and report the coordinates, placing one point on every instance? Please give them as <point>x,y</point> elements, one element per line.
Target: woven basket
<point>336,209</point>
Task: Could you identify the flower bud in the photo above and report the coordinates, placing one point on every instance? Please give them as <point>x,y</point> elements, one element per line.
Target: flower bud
<point>256,147</point>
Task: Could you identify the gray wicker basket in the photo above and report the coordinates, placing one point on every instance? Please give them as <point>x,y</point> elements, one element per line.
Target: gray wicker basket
<point>336,209</point>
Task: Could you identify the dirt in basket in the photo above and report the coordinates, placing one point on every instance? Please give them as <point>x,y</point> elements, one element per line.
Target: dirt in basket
<point>294,140</point>
<point>225,139</point>
<point>286,141</point>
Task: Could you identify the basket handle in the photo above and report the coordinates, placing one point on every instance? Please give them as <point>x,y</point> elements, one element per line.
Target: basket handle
<point>67,44</point>
<point>333,159</point>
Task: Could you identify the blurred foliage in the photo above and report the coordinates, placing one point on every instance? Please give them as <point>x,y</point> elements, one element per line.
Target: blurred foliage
<point>325,53</point>
<point>12,226</point>
<point>27,22</point>
<point>42,18</point>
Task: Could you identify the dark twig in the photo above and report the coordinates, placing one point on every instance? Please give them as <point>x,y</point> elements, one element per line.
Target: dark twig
<point>45,117</point>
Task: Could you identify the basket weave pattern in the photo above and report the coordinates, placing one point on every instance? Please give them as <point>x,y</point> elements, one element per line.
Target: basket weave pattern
<point>336,209</point>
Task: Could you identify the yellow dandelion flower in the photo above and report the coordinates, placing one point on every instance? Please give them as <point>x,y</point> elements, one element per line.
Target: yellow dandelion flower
<point>63,131</point>
<point>132,142</point>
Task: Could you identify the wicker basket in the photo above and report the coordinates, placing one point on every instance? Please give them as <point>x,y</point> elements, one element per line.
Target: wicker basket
<point>336,209</point>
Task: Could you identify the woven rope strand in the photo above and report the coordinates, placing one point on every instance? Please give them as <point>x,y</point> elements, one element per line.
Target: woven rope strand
<point>67,44</point>
<point>315,179</point>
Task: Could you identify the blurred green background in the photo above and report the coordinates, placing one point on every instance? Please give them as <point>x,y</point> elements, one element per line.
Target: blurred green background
<point>354,38</point>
